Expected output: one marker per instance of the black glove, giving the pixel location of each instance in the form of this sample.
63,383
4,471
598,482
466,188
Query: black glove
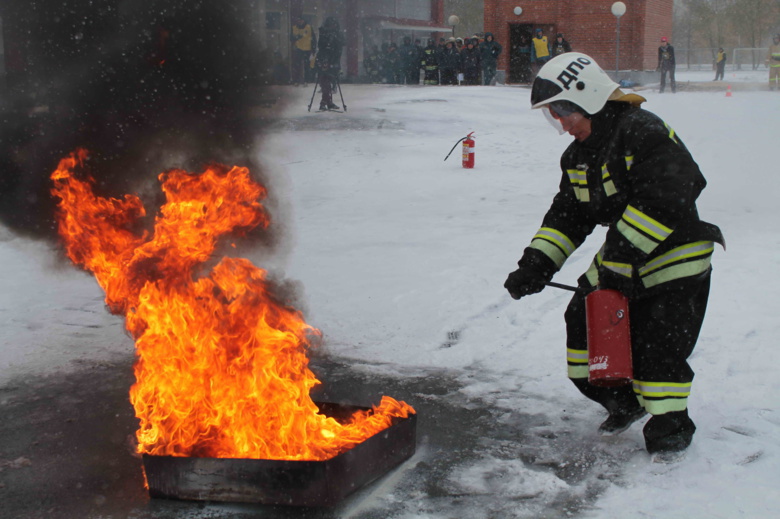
524,282
535,270
612,280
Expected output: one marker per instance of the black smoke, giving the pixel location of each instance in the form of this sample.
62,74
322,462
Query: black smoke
144,85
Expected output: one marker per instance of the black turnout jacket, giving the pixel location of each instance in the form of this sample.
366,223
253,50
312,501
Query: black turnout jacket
634,175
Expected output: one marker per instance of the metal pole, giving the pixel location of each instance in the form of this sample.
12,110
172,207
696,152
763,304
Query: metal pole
290,44
617,52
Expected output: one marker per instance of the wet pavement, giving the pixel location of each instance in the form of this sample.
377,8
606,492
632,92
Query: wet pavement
66,452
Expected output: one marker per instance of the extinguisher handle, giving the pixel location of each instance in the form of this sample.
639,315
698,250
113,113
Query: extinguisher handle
580,290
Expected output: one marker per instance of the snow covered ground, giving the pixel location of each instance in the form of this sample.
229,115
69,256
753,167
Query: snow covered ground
401,256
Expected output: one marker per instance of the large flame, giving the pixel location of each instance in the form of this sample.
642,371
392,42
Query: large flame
222,369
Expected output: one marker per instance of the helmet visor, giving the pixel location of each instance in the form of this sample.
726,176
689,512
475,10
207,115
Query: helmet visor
563,108
554,121
542,90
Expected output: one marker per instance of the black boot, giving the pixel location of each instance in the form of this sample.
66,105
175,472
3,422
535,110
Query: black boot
669,432
620,402
620,420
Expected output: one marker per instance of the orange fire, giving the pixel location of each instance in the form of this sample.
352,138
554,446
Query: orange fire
222,369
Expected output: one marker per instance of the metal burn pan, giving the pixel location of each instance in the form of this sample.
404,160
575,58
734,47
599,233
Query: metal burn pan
284,482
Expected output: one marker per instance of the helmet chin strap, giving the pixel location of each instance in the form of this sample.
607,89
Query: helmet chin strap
555,123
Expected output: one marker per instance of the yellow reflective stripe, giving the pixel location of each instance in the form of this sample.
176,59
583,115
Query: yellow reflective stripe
637,239
646,224
662,397
624,269
554,244
669,405
662,389
671,133
690,250
577,177
579,181
683,270
558,238
551,251
578,371
576,356
606,181
629,162
592,274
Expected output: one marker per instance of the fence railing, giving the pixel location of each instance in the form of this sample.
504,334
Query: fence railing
742,58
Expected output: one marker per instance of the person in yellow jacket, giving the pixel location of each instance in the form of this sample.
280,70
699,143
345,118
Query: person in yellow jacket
773,61
304,44
720,64
540,49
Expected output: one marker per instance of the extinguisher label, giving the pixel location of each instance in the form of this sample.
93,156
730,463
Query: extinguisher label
598,363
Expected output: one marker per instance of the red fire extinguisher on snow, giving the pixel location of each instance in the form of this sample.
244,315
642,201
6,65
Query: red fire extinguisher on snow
468,150
609,337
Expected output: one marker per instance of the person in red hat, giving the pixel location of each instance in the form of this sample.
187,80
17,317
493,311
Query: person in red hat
666,64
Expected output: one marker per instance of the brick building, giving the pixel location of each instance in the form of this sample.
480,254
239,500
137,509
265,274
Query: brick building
588,25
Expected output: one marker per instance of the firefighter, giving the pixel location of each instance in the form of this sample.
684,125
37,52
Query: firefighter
629,171
430,62
328,62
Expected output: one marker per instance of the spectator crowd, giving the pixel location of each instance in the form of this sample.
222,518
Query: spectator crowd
452,61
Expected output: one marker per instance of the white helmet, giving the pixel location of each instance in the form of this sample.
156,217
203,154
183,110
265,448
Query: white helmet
573,77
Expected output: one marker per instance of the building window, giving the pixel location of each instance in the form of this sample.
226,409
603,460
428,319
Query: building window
413,9
409,9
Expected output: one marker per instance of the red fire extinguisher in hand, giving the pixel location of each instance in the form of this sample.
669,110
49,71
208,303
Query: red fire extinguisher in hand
468,150
609,336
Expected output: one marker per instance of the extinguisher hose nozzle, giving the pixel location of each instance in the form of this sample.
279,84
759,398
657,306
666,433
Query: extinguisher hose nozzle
456,144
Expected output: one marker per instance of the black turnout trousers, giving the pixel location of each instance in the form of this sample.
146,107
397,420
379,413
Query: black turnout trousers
664,329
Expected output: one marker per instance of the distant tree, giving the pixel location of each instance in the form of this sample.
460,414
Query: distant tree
725,23
747,23
754,20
